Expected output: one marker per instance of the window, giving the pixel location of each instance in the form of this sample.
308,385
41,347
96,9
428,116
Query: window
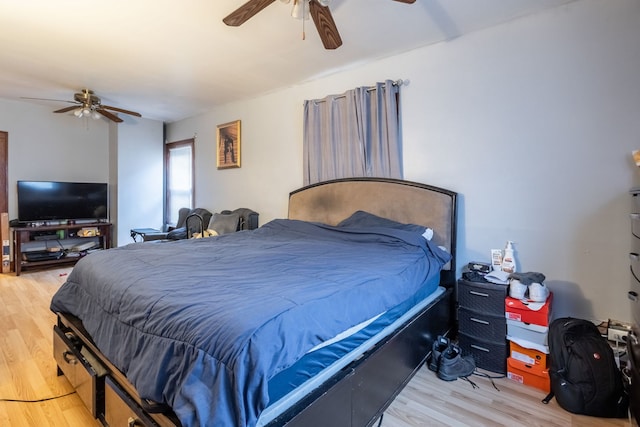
179,178
353,134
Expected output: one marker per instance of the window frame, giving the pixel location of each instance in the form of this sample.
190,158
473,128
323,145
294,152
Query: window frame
167,193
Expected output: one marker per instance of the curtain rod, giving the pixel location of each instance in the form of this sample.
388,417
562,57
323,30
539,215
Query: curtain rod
398,82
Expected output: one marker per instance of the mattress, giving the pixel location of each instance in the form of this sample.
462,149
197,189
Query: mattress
203,325
315,367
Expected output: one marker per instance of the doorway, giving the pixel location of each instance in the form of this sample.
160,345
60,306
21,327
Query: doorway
5,236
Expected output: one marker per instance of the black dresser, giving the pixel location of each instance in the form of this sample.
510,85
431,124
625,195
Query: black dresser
482,326
633,339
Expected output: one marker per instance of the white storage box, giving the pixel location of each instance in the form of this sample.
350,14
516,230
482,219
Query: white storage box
519,331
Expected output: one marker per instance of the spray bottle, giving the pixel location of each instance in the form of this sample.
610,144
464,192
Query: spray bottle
509,259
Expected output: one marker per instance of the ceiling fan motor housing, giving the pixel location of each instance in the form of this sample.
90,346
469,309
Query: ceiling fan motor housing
87,98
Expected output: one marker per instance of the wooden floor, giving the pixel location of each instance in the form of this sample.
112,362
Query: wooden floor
28,372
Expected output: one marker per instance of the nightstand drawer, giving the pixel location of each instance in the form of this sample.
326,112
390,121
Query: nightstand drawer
488,355
482,297
484,326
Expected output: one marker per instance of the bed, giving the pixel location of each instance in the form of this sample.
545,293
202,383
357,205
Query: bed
319,319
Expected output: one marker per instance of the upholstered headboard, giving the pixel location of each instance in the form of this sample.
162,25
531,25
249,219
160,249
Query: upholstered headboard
404,201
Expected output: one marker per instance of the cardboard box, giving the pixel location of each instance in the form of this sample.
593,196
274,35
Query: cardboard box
528,312
535,334
530,375
6,242
530,356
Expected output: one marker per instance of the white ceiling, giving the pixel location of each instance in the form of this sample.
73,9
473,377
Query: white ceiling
171,59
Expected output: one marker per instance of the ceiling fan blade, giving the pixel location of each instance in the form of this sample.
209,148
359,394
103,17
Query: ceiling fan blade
325,25
120,110
245,12
406,1
109,115
49,99
65,109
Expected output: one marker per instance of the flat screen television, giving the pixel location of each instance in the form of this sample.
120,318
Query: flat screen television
59,201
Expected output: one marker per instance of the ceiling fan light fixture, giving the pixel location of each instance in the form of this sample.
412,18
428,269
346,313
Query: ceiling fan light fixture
86,111
300,9
86,104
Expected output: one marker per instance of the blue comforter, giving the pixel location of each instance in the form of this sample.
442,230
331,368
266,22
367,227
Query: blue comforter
203,324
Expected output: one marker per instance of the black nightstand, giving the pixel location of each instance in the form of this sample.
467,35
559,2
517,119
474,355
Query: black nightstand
482,326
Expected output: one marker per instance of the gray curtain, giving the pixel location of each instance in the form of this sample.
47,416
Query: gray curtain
354,134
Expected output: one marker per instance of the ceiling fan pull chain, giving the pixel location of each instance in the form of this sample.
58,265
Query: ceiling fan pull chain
317,9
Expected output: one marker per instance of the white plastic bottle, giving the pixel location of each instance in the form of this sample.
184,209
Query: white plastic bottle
509,259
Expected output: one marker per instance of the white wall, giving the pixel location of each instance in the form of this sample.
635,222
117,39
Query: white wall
137,176
271,155
52,147
532,122
61,147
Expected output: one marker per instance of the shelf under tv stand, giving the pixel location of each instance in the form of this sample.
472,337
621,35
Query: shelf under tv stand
40,239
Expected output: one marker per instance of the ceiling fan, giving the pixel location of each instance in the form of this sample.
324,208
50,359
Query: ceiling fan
88,104
319,10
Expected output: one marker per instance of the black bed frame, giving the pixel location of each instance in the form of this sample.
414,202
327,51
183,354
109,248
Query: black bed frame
355,396
359,393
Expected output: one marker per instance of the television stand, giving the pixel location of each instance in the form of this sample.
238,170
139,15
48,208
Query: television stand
62,241
43,255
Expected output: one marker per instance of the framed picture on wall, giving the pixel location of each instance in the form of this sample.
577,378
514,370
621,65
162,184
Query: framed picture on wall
228,137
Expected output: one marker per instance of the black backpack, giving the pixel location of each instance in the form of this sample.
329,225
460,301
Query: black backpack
584,376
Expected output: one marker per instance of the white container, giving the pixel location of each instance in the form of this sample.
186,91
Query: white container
535,334
509,260
496,259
